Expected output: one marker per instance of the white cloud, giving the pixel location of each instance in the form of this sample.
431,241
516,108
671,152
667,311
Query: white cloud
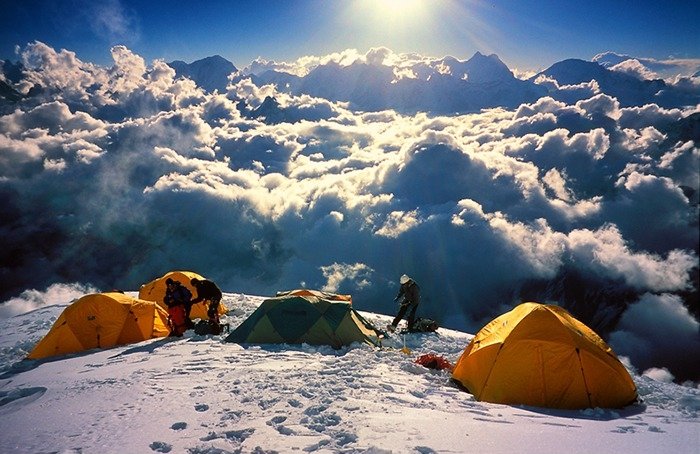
682,165
653,211
633,67
605,252
398,222
128,70
648,115
537,244
658,329
659,374
16,153
337,274
557,183
30,300
668,68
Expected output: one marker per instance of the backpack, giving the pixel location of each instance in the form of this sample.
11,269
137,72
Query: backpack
205,327
424,325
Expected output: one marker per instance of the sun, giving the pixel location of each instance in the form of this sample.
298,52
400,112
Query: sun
397,7
399,25
394,10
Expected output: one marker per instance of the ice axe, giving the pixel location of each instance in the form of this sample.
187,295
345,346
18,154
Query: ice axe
405,349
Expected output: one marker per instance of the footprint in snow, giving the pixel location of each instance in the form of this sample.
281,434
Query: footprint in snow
320,422
315,447
624,430
160,446
315,410
295,403
277,420
14,399
276,423
344,438
238,436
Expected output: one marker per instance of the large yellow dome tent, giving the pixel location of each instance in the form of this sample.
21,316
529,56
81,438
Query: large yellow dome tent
155,291
540,355
102,320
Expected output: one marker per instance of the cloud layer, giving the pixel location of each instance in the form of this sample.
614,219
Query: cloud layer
113,176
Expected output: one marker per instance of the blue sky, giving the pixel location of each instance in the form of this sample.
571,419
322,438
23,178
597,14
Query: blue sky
525,34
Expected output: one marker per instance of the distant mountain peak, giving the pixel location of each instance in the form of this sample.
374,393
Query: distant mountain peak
210,73
214,58
486,68
478,55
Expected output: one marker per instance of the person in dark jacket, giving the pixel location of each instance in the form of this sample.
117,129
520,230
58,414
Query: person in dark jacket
408,298
177,299
208,291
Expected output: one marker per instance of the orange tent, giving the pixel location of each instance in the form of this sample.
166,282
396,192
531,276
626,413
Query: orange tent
102,320
540,355
155,291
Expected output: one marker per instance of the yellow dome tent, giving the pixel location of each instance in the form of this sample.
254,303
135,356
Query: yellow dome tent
102,320
155,291
540,355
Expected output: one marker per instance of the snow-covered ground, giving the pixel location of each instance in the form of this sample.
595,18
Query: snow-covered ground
197,394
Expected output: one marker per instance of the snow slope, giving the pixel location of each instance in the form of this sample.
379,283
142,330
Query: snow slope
197,394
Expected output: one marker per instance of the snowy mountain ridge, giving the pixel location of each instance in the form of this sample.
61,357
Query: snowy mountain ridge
446,85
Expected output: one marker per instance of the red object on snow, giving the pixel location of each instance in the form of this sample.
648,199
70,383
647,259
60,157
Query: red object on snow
432,361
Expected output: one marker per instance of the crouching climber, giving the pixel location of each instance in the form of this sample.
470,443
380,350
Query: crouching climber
209,291
177,299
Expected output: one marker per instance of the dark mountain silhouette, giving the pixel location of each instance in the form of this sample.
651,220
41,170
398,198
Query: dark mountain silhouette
13,71
11,74
7,93
210,73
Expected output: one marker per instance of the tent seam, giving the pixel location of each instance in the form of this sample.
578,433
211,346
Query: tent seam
583,376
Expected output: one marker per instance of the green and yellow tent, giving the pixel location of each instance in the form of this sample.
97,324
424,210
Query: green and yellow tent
305,318
155,291
102,320
540,355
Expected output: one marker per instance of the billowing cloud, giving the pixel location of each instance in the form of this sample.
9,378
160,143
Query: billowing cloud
336,273
605,252
635,68
114,176
30,300
649,67
659,374
658,329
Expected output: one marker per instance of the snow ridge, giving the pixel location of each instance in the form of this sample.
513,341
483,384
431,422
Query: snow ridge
198,394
